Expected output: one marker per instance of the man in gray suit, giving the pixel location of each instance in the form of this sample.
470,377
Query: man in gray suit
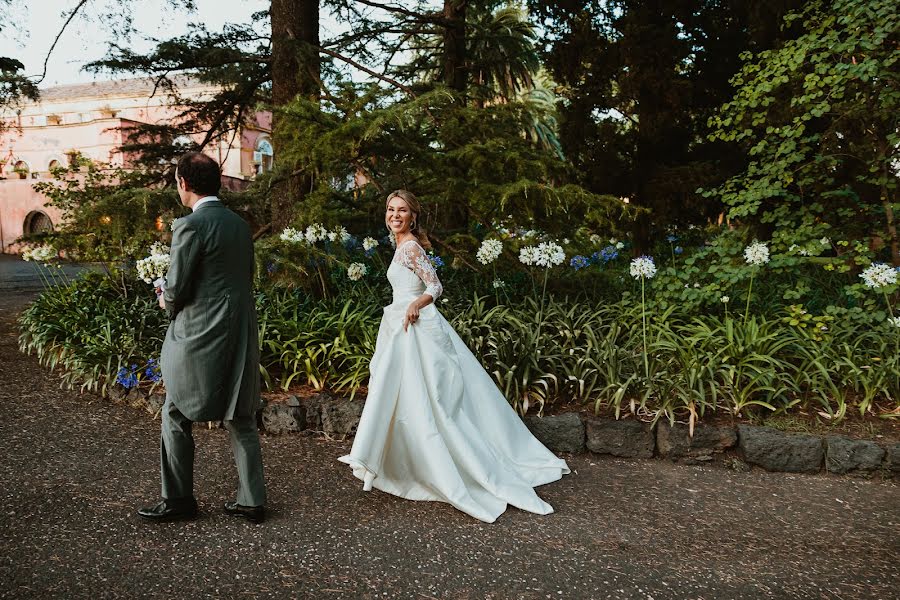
210,357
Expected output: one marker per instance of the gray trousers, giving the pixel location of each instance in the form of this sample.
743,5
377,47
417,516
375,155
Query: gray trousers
176,453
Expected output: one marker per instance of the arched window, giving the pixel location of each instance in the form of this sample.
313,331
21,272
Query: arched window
37,222
263,156
53,165
21,167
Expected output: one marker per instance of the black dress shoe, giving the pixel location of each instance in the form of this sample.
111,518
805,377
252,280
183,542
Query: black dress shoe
182,509
254,514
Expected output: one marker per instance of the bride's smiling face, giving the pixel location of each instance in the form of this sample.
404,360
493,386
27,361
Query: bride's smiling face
398,215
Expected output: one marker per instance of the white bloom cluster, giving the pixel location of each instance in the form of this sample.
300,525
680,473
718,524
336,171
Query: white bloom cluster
356,271
756,254
154,266
369,243
316,233
725,299
528,255
489,251
614,242
545,254
292,235
595,239
895,321
499,284
879,275
338,234
642,267
39,254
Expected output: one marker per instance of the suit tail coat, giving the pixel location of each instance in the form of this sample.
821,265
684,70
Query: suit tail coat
210,357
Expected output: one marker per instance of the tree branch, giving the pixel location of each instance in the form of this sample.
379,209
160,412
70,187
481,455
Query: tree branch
75,10
435,18
366,70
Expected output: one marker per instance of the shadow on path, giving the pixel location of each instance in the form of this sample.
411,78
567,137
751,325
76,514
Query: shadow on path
75,467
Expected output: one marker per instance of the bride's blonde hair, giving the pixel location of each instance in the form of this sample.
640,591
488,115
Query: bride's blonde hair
415,227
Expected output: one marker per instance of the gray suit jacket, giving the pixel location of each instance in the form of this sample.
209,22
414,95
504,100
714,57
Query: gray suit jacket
210,357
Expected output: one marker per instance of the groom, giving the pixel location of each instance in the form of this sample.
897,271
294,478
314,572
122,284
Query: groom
210,357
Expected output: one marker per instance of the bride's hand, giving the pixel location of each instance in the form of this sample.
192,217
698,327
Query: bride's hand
412,315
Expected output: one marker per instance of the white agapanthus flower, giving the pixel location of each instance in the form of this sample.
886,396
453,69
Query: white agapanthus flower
498,284
339,234
369,243
549,254
825,241
642,267
620,245
595,239
725,299
528,255
489,251
879,275
756,254
316,233
292,235
39,254
895,321
356,271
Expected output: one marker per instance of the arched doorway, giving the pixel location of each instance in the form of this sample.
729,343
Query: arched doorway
37,222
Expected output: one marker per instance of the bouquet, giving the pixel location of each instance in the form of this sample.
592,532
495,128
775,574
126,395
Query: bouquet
153,269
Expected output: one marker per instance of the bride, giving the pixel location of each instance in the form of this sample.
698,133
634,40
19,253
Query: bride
434,426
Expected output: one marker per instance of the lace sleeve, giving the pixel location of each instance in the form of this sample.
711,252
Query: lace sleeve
413,257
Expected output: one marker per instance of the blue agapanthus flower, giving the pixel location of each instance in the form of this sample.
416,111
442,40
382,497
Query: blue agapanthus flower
127,378
271,267
579,262
678,250
609,253
152,371
671,238
436,261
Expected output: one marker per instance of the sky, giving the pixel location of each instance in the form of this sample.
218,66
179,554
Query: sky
32,26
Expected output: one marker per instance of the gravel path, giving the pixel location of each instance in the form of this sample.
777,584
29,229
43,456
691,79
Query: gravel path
74,468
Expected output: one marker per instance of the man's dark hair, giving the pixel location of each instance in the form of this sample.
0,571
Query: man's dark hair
201,173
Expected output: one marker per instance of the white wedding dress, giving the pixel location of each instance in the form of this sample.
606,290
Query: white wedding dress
434,426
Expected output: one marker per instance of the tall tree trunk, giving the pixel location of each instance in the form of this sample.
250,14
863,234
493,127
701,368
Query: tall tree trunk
295,71
455,72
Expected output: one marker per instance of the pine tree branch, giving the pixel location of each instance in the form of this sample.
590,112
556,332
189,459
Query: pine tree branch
367,70
435,18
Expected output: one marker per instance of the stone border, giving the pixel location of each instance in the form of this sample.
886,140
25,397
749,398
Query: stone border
740,445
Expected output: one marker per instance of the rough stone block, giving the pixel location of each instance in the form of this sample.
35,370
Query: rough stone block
629,439
844,455
341,417
560,433
675,441
774,450
155,402
281,418
893,458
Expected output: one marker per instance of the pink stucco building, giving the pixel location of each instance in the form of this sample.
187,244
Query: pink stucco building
89,119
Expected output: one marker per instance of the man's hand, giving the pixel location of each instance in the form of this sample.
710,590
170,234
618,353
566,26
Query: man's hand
161,300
